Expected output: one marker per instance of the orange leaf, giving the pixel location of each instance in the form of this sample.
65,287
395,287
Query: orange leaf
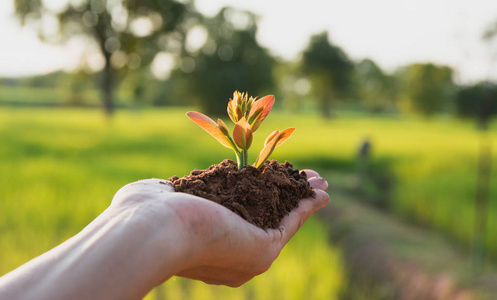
274,139
222,126
271,137
253,117
230,111
266,103
250,102
210,126
235,106
266,151
242,134
238,113
284,135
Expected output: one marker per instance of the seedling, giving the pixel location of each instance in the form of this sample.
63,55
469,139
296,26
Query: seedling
247,114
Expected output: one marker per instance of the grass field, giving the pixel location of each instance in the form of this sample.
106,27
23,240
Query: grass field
60,168
33,96
434,162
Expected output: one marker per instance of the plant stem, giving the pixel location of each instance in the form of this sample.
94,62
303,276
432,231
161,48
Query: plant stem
242,159
239,156
238,161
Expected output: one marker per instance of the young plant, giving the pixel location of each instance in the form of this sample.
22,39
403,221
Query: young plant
247,114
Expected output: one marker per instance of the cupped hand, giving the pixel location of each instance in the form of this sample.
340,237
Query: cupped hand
220,246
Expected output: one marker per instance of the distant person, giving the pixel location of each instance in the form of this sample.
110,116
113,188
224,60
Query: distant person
150,233
364,153
365,148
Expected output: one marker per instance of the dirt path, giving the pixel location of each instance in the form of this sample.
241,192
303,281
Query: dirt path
389,259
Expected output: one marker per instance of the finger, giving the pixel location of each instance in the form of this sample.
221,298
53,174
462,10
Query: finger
218,275
291,223
311,173
318,183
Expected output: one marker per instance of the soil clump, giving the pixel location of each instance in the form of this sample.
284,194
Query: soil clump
260,196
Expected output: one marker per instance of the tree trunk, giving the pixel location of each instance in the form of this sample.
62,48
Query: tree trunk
326,106
325,90
481,203
107,87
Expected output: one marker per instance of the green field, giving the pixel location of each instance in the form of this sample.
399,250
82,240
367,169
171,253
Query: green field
32,96
59,168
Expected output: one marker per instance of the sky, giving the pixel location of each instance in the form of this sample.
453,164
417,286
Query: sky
393,33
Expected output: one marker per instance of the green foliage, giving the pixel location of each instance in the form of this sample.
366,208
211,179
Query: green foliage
38,90
230,59
376,90
109,24
490,32
478,101
37,81
111,28
428,87
76,89
60,168
329,68
434,165
322,55
21,96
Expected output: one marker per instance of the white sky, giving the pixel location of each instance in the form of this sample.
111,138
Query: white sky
391,32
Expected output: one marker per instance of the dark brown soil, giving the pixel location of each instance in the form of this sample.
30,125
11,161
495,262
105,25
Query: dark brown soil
262,197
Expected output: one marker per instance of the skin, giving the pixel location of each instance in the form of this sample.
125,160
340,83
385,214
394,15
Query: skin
150,233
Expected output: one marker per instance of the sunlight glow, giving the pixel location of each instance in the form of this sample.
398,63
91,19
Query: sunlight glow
162,65
390,32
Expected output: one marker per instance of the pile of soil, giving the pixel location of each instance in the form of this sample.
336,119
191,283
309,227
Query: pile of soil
260,196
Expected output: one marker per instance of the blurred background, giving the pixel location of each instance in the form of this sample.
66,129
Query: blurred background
394,103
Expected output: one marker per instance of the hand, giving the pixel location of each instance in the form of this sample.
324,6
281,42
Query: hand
239,250
227,249
150,233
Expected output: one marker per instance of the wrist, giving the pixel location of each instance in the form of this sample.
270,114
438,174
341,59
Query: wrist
159,241
181,228
172,223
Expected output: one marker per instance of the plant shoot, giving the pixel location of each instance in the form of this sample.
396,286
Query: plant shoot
247,113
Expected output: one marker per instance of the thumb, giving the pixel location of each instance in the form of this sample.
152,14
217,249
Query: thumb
296,218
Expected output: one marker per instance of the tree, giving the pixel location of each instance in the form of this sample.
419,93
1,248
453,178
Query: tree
377,90
490,32
428,87
75,89
127,33
230,59
293,86
329,68
478,101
